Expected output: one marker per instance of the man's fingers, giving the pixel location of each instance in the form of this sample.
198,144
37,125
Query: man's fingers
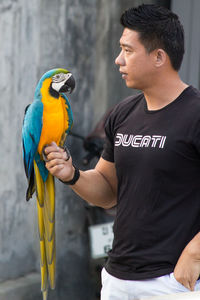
52,148
192,285
56,155
189,284
54,162
55,169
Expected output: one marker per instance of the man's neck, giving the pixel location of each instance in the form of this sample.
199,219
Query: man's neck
164,92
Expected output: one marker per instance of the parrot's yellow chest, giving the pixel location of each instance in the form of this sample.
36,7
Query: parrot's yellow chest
55,119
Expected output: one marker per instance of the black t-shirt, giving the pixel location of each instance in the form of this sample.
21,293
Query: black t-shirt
157,159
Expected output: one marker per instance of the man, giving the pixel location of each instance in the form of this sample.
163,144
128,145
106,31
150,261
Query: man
150,166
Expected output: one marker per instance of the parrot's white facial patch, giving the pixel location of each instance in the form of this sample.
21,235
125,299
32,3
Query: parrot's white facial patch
59,80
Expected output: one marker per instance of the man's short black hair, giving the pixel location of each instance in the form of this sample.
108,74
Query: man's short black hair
158,27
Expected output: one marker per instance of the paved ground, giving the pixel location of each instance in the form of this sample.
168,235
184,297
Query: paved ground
23,288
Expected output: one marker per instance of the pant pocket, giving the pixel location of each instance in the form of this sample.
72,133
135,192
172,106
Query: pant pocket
179,286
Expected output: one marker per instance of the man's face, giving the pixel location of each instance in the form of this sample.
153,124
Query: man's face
135,64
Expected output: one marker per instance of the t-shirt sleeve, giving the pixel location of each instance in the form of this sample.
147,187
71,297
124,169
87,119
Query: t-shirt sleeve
108,151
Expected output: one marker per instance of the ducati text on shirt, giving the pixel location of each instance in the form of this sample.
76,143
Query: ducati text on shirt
140,141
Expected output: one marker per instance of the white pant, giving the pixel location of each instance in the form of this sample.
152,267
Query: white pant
118,289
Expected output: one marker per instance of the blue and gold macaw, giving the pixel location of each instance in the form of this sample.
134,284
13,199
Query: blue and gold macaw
49,118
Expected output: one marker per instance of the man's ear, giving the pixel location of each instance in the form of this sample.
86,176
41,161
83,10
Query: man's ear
160,57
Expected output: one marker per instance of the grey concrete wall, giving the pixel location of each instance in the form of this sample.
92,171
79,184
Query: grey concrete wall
36,36
17,79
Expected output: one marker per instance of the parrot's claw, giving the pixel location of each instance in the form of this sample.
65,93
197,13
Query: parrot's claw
67,152
43,154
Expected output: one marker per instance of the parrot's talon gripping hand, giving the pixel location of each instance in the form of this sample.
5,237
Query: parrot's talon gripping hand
44,156
68,155
41,127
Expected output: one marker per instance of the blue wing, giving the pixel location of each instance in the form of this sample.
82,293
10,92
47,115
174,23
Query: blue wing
70,114
31,131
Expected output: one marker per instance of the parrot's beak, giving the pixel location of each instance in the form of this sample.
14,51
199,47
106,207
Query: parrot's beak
69,85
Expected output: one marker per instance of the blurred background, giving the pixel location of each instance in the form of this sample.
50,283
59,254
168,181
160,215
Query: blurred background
82,36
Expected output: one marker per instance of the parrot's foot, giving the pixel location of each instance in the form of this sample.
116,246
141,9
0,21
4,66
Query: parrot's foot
43,154
67,152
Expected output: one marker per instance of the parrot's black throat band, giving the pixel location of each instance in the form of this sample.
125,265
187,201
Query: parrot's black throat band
53,93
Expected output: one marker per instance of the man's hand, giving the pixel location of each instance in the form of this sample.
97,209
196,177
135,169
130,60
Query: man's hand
58,163
187,269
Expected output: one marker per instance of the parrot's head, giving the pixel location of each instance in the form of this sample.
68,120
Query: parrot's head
57,81
62,81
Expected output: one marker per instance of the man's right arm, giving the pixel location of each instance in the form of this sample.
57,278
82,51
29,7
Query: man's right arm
97,186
